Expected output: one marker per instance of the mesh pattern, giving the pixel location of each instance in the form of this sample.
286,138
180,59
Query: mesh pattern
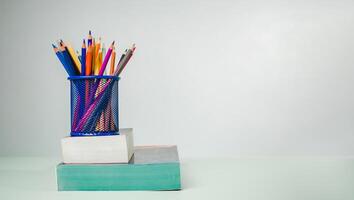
94,106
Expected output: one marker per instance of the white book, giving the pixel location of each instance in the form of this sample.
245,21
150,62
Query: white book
99,149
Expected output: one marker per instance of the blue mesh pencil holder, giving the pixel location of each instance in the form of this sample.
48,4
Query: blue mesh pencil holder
94,105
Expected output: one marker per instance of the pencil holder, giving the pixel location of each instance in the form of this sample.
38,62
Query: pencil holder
94,105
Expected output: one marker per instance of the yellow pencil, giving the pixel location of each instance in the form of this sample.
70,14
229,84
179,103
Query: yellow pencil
97,59
98,46
113,58
99,62
74,57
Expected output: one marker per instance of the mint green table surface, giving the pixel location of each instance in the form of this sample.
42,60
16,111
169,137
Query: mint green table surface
243,178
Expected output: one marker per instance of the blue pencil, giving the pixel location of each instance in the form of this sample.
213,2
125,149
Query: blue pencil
83,58
67,59
62,59
89,40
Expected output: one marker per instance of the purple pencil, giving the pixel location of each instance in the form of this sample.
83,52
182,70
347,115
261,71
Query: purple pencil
106,58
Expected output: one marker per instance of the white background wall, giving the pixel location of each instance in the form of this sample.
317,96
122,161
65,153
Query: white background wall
217,78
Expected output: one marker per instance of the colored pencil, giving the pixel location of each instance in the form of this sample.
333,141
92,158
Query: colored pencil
67,59
89,39
83,58
99,124
94,56
121,65
102,69
106,117
103,49
106,58
61,59
93,109
79,56
98,58
121,58
74,57
98,46
98,62
113,58
88,61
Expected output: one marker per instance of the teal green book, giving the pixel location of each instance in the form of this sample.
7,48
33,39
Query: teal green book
150,168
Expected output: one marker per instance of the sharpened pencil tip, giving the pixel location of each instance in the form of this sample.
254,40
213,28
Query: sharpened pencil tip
89,32
54,46
113,42
83,41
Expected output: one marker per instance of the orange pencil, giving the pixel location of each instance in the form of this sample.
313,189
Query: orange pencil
93,63
89,61
113,58
88,73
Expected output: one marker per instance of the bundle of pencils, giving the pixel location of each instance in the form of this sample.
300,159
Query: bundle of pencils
92,111
90,61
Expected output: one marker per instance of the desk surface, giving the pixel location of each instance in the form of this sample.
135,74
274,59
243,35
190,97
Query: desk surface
247,178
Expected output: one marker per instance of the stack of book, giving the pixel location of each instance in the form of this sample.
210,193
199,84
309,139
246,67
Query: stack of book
113,163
